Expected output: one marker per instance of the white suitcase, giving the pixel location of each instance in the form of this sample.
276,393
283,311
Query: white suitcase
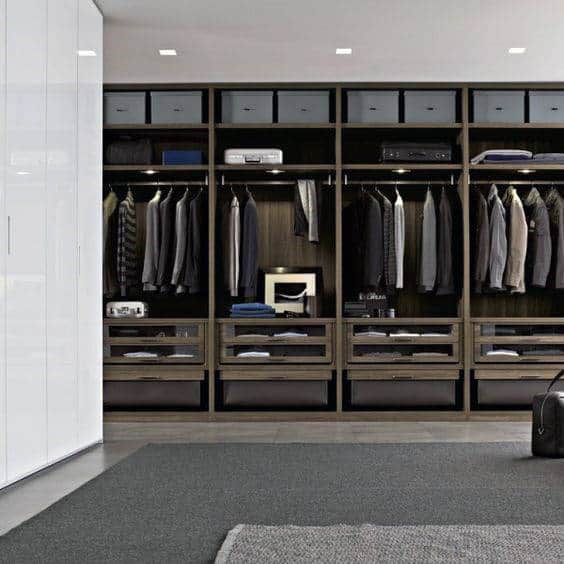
253,156
135,310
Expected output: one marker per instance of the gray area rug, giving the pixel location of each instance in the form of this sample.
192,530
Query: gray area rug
176,503
366,544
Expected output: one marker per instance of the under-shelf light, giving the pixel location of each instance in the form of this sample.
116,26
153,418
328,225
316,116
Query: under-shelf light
401,170
275,171
150,171
526,170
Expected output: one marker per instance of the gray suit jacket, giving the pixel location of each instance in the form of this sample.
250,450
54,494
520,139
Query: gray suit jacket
498,239
482,242
555,205
428,254
152,244
514,276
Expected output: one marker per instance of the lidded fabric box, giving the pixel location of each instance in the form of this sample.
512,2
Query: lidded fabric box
124,108
182,157
247,106
373,106
546,106
176,107
430,106
499,106
303,106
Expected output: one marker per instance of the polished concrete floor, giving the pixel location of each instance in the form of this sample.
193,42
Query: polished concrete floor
25,499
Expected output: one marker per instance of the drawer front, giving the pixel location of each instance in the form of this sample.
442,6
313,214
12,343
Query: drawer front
430,106
373,106
275,394
546,106
499,106
152,373
124,108
246,107
139,394
176,107
403,393
303,107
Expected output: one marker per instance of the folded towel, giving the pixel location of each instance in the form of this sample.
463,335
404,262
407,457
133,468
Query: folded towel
549,158
503,152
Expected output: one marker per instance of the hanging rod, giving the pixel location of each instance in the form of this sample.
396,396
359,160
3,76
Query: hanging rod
256,182
175,183
520,182
373,182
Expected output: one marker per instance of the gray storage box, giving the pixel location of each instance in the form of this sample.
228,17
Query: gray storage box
246,106
512,392
295,393
411,393
176,107
303,106
499,106
430,106
373,106
546,106
136,393
124,108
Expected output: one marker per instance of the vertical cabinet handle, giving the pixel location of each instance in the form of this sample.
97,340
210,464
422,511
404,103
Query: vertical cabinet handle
9,235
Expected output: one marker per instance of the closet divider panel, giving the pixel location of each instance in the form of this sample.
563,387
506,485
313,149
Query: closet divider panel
3,244
62,229
26,387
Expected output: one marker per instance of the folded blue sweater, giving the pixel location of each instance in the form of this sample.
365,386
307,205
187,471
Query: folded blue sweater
251,307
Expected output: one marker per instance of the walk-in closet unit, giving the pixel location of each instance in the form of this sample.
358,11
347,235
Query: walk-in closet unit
50,232
418,332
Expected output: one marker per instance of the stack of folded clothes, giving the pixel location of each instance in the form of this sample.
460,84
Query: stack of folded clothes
549,158
252,310
502,155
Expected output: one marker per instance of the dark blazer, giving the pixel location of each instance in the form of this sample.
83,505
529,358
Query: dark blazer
195,245
539,246
164,272
249,249
555,205
482,242
445,273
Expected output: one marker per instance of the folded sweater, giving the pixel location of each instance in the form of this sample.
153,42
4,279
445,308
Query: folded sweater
518,154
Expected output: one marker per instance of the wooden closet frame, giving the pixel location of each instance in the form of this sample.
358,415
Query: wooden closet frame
338,169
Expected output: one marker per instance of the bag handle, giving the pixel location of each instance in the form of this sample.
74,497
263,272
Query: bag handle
554,380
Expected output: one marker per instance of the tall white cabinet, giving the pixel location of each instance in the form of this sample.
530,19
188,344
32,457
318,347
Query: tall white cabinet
50,238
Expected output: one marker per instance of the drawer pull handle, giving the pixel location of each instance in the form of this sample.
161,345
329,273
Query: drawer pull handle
373,109
402,377
150,378
121,109
499,109
554,109
248,109
304,110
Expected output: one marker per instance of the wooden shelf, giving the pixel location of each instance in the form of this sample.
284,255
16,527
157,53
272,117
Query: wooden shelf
401,125
156,126
281,167
157,168
275,126
516,125
408,166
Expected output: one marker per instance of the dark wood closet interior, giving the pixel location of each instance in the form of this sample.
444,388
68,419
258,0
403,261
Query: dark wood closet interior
432,360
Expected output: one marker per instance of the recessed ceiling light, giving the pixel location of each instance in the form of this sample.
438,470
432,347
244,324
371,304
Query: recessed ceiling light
516,50
23,172
343,51
401,170
526,170
168,52
86,53
150,171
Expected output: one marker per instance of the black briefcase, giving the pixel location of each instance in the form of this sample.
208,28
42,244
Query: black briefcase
397,151
548,422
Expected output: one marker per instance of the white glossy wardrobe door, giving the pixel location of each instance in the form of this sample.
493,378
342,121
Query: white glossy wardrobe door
61,241
90,224
25,206
3,248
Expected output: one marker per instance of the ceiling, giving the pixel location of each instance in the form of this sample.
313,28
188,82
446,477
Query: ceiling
295,40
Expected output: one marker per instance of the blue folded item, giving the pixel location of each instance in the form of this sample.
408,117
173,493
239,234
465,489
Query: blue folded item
182,157
253,316
251,307
501,157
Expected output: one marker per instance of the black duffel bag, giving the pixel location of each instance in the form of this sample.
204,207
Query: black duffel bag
129,152
548,422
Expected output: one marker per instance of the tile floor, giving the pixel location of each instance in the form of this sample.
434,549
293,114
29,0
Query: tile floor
21,501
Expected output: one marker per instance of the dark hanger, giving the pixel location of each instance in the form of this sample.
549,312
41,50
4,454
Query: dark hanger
232,191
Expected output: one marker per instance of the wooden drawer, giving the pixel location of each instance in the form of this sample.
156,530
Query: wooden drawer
151,373
401,341
518,341
174,341
402,389
512,387
277,389
277,341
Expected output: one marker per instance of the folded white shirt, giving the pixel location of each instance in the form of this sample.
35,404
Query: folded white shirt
370,334
430,354
251,354
506,352
180,355
290,334
404,334
502,152
141,354
431,334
